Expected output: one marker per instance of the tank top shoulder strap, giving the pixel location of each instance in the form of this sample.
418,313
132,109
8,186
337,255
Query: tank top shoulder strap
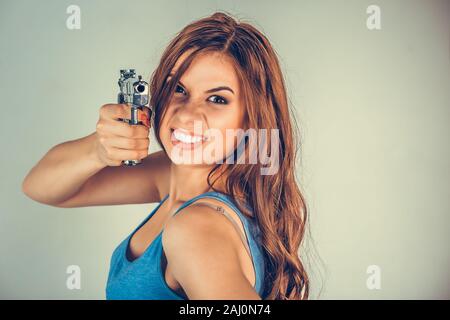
228,216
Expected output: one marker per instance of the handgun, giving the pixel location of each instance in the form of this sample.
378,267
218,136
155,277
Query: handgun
134,92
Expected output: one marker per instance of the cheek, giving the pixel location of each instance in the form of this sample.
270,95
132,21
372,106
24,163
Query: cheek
230,117
231,128
164,132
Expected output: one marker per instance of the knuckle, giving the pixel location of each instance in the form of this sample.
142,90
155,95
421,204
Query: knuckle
135,154
139,144
104,108
142,132
135,131
128,131
132,143
99,126
108,152
121,109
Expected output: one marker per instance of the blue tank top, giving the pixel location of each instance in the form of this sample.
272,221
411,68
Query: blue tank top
143,278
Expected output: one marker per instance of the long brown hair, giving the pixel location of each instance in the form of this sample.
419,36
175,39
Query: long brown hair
277,202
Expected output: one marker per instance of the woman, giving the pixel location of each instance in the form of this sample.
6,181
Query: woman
222,229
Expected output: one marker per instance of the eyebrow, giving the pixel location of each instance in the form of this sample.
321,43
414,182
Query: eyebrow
210,90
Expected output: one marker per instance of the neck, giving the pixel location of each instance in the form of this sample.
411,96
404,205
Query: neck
186,182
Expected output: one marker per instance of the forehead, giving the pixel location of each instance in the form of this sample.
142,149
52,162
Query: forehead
209,68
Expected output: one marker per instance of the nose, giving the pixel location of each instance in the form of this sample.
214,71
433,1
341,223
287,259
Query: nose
189,112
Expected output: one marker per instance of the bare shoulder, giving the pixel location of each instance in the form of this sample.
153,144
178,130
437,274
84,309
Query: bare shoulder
203,226
201,248
198,223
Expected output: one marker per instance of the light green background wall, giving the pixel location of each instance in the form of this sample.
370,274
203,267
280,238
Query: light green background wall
373,107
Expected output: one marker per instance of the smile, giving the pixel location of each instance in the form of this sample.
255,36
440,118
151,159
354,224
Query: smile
185,140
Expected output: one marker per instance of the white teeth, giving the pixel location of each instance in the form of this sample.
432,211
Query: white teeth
185,138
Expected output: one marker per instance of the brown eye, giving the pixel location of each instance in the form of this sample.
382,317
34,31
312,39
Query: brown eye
218,100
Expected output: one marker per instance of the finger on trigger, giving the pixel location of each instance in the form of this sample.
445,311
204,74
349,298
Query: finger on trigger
144,118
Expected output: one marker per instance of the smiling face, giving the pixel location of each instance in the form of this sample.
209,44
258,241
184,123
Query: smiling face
206,103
